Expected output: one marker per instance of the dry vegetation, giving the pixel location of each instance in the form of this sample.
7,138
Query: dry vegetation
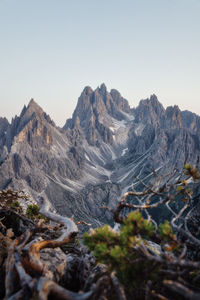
139,260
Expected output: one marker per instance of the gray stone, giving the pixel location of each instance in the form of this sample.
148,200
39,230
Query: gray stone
96,156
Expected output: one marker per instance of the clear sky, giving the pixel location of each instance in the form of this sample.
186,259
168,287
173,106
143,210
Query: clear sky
51,49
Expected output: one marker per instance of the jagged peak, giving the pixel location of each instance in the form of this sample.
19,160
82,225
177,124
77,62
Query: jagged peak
33,105
153,102
115,92
174,116
154,98
103,88
101,101
4,124
173,110
31,108
87,90
30,112
4,120
32,102
149,109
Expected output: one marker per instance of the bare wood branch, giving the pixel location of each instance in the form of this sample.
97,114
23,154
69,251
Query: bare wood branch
181,290
10,272
175,262
158,296
70,226
83,222
47,287
69,231
118,287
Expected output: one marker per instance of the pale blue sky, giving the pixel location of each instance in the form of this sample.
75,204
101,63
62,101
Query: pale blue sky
51,49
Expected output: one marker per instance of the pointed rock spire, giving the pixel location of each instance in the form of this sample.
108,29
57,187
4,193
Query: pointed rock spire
87,90
173,117
149,110
34,106
103,89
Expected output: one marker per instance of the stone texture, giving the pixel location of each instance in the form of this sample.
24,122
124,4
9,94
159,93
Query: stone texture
55,262
96,156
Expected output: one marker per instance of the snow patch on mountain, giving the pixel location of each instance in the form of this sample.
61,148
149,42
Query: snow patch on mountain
139,129
124,151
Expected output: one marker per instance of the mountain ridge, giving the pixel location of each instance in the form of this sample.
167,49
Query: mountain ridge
99,152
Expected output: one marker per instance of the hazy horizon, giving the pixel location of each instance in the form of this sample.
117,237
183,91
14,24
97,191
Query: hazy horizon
50,50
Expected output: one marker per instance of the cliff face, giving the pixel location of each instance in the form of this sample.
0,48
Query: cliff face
94,113
36,153
97,155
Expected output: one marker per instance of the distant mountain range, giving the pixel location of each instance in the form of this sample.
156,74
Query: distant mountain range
96,156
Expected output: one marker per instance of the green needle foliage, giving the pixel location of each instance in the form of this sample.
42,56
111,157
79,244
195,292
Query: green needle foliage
120,251
149,259
16,205
33,212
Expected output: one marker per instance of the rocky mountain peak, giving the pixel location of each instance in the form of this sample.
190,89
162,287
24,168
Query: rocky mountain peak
95,110
33,110
29,110
103,89
150,110
100,101
4,129
32,125
120,101
156,105
98,154
190,120
173,110
87,90
3,124
153,104
173,117
33,104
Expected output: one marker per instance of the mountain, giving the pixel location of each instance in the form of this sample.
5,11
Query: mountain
96,156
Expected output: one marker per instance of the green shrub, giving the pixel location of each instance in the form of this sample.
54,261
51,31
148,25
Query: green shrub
33,212
119,251
16,205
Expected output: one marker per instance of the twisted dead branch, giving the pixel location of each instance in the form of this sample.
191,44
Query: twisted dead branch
27,276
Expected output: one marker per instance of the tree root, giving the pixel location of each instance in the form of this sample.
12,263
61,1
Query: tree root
27,276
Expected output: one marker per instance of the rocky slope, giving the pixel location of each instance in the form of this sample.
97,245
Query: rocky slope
96,156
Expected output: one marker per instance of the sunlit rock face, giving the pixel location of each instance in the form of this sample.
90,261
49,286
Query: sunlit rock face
97,155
